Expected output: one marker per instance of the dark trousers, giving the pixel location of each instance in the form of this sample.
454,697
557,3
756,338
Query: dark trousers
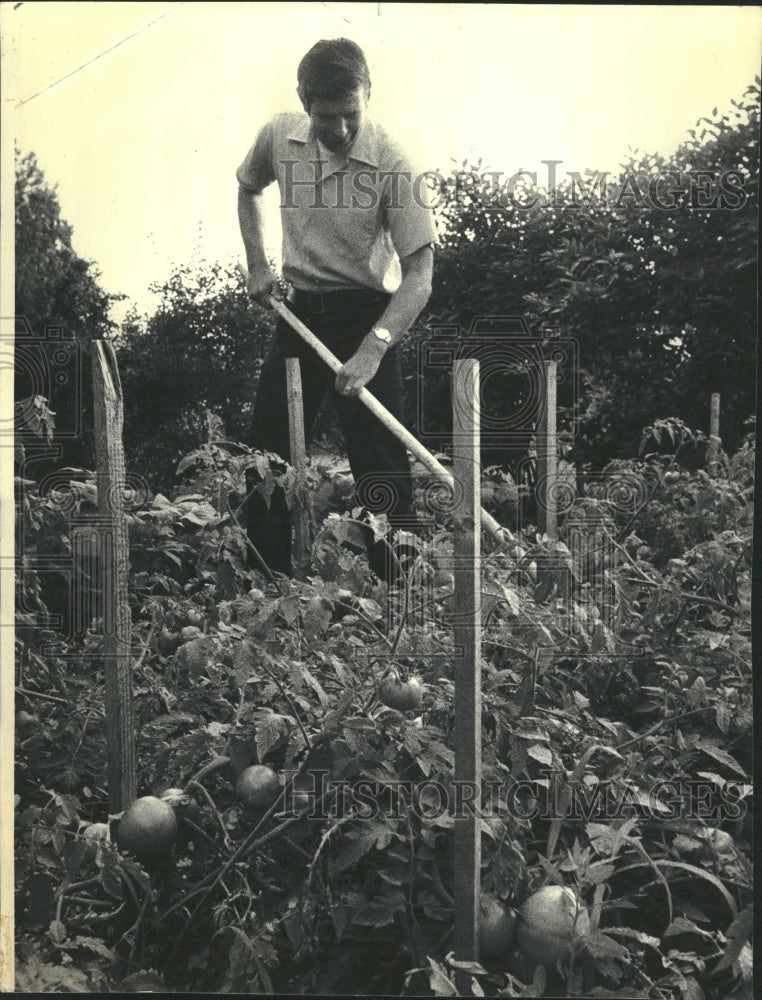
378,461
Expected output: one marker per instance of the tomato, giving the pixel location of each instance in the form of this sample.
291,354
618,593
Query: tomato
549,921
148,829
257,786
402,695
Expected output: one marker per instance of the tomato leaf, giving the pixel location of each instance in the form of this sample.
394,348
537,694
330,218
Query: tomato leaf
600,945
380,912
739,932
439,981
720,755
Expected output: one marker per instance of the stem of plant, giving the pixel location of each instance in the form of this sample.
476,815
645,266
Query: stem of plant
649,582
323,841
405,607
662,722
676,623
77,886
136,665
287,698
215,810
213,765
104,918
251,843
370,624
236,718
98,904
38,694
136,926
265,568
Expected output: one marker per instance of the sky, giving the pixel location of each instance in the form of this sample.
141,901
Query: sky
140,113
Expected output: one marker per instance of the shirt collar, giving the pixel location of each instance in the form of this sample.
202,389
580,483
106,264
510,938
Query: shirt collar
364,148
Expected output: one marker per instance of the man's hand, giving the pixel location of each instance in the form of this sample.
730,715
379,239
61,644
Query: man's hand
261,285
359,370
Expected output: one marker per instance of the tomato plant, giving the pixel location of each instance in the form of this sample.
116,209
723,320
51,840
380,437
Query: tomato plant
616,681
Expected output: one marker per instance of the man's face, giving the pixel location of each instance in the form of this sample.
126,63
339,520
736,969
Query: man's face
335,121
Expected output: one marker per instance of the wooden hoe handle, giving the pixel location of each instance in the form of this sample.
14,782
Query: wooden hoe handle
402,434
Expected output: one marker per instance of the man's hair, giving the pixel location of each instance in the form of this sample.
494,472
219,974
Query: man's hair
331,69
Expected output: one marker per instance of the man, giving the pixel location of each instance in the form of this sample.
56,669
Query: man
357,258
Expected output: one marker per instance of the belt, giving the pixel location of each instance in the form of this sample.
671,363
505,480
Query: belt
317,303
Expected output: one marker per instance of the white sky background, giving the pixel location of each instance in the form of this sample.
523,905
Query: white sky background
143,138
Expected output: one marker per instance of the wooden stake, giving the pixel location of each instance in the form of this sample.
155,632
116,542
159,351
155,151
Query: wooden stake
714,433
300,514
113,577
547,458
541,475
467,638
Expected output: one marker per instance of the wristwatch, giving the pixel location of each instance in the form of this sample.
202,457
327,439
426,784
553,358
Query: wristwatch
383,335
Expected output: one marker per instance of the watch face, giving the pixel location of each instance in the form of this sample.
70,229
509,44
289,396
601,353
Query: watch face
383,335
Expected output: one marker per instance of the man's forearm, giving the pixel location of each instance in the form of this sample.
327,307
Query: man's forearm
250,220
412,295
399,315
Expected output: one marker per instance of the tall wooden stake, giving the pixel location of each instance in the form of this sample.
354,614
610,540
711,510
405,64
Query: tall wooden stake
547,459
114,570
714,433
467,638
300,514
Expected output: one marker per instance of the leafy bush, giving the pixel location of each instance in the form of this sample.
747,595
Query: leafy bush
200,351
662,302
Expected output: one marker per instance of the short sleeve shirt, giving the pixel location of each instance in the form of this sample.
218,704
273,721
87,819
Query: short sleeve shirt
347,219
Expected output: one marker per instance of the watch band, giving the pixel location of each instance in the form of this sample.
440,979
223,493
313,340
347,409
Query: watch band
382,335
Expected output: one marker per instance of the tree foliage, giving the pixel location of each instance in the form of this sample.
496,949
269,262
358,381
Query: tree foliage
658,291
200,351
58,300
54,285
